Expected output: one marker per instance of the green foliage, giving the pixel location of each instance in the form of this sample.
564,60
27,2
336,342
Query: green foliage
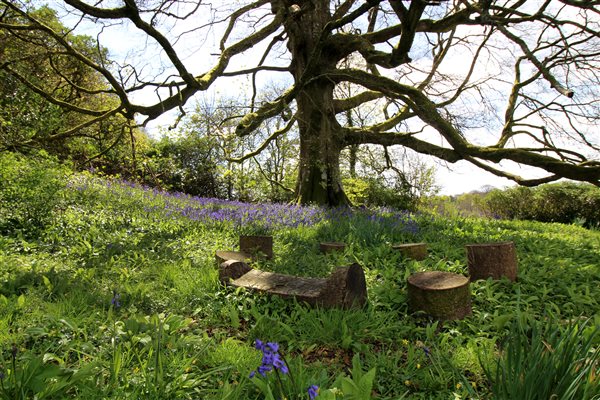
359,385
32,189
30,122
173,332
560,202
371,192
202,161
35,377
547,361
190,165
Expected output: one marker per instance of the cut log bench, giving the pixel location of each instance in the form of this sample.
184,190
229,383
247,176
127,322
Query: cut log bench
442,295
415,251
492,260
344,288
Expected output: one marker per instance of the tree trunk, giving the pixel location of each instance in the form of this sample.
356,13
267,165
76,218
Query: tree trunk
319,179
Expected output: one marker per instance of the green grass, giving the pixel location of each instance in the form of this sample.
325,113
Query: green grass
179,334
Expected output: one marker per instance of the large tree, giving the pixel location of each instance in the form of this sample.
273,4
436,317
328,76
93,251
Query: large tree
488,81
48,98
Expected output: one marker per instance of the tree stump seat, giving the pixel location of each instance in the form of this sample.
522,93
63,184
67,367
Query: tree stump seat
344,288
221,256
252,247
415,251
442,295
331,247
257,245
492,260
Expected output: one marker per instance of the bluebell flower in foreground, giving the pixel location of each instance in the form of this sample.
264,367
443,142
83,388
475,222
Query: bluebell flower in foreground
271,359
426,351
313,391
115,300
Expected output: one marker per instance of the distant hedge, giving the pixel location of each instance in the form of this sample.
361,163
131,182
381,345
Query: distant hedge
564,202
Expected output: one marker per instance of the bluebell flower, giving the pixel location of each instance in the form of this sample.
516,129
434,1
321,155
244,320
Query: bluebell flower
279,364
115,300
271,359
263,369
274,347
313,391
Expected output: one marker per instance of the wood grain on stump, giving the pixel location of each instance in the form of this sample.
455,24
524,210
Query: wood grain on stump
222,256
330,247
443,295
344,288
256,245
492,260
415,251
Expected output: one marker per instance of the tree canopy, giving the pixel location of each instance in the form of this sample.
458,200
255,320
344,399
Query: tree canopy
492,82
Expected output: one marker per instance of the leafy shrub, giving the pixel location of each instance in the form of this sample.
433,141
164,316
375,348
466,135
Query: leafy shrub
565,202
370,192
30,192
513,203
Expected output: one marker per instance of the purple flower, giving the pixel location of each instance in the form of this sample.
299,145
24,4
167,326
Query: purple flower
115,300
313,391
274,347
279,364
263,369
271,359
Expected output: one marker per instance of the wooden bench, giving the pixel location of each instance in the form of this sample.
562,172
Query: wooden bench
344,288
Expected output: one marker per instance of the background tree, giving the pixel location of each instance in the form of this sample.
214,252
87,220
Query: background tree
43,92
487,81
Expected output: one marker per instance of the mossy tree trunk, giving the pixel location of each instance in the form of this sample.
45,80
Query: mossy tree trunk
321,136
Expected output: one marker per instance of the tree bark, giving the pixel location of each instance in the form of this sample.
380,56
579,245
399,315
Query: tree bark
321,136
492,260
442,295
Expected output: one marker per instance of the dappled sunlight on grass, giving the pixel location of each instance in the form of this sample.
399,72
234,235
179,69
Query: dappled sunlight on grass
178,333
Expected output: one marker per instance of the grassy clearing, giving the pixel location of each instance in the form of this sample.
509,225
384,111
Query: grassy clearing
117,297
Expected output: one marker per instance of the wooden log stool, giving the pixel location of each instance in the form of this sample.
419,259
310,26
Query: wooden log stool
442,295
331,247
344,288
257,245
492,260
221,256
415,251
